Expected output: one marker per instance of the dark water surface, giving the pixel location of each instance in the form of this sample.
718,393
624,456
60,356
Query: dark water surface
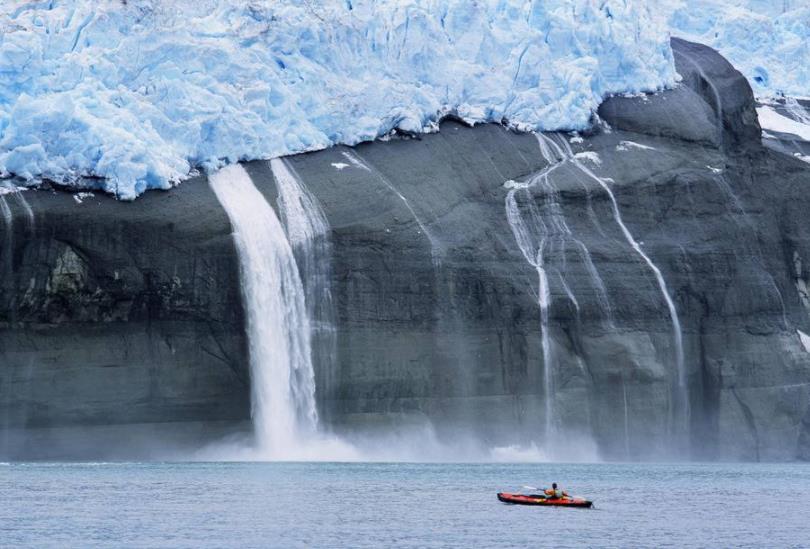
402,505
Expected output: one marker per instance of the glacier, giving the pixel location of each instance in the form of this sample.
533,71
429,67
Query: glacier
767,40
129,95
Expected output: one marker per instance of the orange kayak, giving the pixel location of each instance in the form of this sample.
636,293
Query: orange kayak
521,499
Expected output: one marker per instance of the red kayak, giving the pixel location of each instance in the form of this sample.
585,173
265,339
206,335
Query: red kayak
521,499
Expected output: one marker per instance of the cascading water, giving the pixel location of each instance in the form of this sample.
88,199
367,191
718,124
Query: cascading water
8,231
6,211
681,397
308,233
626,419
536,233
718,104
356,161
9,190
282,380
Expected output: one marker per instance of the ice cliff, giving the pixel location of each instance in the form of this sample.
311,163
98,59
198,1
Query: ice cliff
767,40
139,93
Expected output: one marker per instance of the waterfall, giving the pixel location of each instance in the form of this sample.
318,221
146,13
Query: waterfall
534,255
537,233
6,211
544,299
9,189
681,388
534,231
718,104
307,231
626,419
282,380
435,250
9,233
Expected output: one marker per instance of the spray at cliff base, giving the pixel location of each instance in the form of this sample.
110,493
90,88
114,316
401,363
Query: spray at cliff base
283,324
283,409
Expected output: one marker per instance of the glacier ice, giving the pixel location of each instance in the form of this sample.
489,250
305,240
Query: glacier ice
136,94
767,40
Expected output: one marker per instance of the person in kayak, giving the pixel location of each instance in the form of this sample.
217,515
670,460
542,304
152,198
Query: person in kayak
555,493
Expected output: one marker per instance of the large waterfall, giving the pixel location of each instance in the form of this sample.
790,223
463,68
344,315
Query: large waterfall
282,379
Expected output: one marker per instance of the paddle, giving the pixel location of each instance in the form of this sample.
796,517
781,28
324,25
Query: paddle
541,493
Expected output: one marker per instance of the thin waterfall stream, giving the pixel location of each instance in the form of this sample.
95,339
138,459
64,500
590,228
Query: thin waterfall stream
681,405
308,233
538,232
544,226
436,251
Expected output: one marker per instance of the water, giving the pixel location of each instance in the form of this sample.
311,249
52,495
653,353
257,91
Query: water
534,231
531,233
282,377
436,251
308,233
403,505
681,389
718,104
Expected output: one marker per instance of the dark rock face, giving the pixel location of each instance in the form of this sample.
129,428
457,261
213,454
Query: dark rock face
115,315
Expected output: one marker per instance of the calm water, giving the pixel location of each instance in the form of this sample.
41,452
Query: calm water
402,505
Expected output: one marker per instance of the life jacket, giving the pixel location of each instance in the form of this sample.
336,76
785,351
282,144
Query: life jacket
549,492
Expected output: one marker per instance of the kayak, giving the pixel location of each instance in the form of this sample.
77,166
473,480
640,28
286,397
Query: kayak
520,499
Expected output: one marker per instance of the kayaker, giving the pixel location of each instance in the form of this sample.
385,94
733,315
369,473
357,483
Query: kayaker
555,492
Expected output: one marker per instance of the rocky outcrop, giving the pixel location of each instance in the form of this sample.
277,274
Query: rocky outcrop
127,318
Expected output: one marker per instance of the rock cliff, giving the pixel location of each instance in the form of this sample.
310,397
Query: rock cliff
122,324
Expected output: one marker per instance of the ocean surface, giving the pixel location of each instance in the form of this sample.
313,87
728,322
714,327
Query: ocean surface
400,505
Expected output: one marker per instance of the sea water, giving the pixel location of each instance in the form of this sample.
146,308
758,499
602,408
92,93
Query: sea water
402,505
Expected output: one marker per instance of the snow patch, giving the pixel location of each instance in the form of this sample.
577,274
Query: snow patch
590,156
627,145
10,189
775,122
79,197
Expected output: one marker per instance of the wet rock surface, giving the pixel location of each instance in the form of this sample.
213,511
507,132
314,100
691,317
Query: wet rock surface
130,315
